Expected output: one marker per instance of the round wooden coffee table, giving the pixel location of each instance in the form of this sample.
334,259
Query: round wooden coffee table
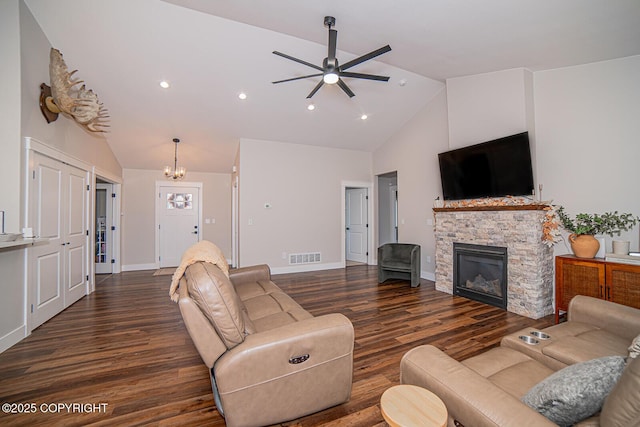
409,405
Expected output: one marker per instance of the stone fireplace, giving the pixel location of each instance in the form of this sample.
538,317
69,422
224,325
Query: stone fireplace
518,229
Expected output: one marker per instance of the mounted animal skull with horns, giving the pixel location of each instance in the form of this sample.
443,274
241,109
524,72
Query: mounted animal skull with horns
81,104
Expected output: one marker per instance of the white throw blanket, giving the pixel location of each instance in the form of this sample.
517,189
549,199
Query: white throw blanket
634,349
202,251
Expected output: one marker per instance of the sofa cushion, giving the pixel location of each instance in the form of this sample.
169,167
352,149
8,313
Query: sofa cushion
577,391
214,294
508,369
621,407
589,345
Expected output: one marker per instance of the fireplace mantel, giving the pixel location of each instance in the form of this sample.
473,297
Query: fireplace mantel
493,208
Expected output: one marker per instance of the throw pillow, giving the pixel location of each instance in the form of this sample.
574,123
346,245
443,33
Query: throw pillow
577,391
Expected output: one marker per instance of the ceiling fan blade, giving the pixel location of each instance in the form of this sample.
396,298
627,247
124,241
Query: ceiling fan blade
300,61
365,57
315,89
333,36
297,78
364,76
345,88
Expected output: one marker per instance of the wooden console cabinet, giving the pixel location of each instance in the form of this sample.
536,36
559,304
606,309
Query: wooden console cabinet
597,278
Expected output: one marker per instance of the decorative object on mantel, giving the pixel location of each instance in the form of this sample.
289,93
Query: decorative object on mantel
81,104
493,202
176,173
584,226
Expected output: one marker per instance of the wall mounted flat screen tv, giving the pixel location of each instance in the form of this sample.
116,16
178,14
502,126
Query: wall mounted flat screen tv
497,168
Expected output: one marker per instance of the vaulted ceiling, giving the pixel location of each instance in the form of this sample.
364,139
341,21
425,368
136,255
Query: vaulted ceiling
212,50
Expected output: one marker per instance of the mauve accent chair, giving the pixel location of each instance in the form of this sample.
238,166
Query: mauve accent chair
399,261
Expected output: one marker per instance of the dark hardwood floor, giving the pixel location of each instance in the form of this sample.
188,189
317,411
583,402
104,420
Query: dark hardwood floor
124,357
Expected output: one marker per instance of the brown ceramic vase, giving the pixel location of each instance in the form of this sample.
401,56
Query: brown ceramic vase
584,245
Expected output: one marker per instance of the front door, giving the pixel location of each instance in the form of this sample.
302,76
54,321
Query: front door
356,224
178,216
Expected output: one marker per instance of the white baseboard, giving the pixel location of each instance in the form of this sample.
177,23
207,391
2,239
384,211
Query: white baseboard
306,267
13,337
428,275
136,267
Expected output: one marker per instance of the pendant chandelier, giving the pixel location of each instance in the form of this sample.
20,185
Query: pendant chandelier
176,172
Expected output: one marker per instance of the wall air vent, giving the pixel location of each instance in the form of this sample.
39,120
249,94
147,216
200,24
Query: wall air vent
306,258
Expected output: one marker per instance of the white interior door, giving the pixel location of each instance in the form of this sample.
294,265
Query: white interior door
76,232
356,224
178,222
58,206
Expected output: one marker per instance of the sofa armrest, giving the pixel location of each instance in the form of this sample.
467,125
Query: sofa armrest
618,319
259,383
264,356
470,398
253,273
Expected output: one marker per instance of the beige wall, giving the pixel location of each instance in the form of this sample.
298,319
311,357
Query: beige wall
588,138
10,114
488,106
138,214
12,303
303,185
413,153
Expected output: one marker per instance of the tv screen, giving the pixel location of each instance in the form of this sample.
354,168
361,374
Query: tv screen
497,168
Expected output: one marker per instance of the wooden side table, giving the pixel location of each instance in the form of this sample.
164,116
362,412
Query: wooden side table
409,405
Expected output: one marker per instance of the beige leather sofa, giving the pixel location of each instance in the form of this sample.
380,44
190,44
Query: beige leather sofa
485,390
270,360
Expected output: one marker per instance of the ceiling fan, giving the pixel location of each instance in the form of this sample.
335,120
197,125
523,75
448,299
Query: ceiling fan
331,71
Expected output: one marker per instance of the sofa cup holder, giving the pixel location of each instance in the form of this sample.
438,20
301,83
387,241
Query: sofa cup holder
529,340
540,335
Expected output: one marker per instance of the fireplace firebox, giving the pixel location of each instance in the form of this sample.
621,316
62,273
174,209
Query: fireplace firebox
480,273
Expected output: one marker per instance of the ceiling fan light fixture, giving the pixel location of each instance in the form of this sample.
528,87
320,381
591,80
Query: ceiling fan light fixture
331,71
331,78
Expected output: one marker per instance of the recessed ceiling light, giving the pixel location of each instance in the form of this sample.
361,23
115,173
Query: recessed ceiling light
364,117
242,95
311,107
164,84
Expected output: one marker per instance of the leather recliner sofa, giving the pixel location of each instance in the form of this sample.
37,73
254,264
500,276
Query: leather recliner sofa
486,390
269,359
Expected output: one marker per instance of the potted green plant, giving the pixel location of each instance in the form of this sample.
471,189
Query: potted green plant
584,226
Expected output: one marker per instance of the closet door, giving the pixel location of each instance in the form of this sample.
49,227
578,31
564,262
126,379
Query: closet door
75,217
58,269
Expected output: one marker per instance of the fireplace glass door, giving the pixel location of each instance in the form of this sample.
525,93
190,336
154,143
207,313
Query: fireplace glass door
480,273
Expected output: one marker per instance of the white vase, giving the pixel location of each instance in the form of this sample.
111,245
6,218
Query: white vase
621,247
